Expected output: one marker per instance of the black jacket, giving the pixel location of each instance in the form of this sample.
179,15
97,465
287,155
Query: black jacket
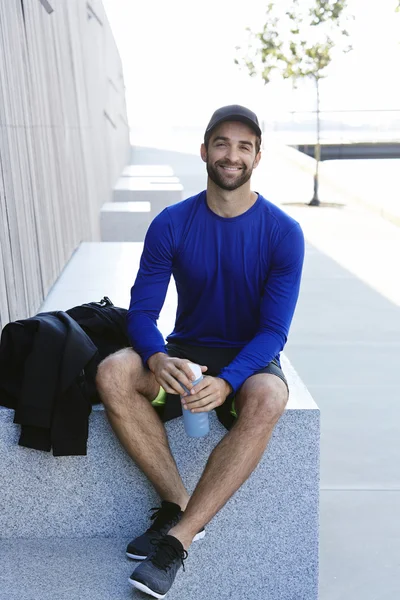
48,365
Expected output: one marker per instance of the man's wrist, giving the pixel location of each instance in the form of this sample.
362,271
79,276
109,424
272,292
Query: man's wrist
153,359
228,386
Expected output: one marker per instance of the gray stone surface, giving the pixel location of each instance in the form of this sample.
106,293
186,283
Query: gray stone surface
97,569
93,495
62,569
133,184
147,171
141,189
124,221
188,167
137,181
274,516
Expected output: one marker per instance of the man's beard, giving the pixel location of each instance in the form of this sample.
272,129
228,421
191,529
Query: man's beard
228,183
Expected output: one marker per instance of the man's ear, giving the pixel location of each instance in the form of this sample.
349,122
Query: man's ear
257,160
203,152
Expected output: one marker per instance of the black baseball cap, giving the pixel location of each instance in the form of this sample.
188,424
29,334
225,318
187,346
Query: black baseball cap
234,112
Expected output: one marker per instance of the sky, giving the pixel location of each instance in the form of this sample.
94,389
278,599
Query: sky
178,61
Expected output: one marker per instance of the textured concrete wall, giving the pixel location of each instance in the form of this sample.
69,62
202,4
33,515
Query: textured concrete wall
64,140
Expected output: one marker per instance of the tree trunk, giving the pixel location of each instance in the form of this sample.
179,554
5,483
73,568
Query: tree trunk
317,153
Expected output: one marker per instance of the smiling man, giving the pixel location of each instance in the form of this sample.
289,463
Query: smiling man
236,259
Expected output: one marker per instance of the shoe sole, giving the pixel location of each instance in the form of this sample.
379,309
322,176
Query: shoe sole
198,536
145,589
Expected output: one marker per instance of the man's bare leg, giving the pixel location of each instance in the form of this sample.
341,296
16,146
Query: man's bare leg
126,389
259,404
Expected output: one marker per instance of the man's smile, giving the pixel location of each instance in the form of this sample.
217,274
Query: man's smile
232,169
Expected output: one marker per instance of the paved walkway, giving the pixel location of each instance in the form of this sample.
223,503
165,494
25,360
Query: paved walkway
345,344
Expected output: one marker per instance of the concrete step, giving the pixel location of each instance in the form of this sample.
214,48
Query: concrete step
139,180
147,171
61,569
144,189
124,221
98,569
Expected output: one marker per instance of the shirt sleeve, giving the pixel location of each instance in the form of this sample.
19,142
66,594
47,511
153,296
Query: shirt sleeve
150,288
278,303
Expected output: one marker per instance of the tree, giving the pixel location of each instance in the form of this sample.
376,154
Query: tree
297,42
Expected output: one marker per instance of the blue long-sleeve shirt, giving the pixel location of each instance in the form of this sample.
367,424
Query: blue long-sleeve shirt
237,280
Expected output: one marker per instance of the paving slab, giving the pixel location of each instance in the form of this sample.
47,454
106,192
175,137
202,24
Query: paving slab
360,545
359,436
348,364
345,344
335,306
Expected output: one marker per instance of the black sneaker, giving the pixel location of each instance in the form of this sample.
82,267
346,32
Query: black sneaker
156,575
165,517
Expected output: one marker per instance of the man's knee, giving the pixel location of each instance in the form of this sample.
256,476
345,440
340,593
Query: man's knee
262,399
119,370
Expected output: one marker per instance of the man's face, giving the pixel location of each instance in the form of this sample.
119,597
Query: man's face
231,155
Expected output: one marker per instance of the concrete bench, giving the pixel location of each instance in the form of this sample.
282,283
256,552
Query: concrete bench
144,189
263,542
147,171
124,221
144,179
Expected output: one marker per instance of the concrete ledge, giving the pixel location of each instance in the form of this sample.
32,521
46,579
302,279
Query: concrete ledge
98,570
271,523
147,171
159,194
79,496
274,516
145,185
124,221
140,180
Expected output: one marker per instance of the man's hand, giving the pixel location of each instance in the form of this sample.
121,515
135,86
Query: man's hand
207,395
170,372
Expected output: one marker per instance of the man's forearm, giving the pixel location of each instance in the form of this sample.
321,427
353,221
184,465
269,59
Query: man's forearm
145,337
260,351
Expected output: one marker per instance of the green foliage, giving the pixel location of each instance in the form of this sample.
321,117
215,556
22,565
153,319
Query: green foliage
296,40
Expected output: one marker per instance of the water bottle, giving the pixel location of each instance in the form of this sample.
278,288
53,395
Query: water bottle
196,424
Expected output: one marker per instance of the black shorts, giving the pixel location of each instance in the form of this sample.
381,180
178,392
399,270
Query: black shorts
215,359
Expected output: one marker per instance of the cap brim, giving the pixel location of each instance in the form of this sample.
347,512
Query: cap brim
240,118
